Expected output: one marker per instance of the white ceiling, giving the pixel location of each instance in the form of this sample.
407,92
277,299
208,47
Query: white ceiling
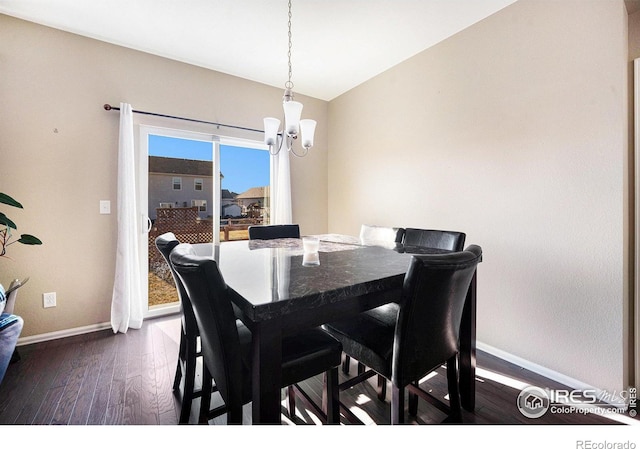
337,44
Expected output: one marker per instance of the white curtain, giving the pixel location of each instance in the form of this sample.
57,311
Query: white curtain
281,189
127,301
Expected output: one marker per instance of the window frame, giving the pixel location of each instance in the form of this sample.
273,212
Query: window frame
203,203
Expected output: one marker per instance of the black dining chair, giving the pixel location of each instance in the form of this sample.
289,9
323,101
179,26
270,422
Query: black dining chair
267,232
390,237
226,345
422,338
188,350
412,239
433,238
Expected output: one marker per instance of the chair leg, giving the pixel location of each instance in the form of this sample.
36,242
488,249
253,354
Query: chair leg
382,388
234,413
205,396
397,404
413,401
330,396
345,364
178,376
291,396
189,379
181,357
454,390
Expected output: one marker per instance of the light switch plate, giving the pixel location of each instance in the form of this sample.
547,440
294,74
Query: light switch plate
49,299
105,207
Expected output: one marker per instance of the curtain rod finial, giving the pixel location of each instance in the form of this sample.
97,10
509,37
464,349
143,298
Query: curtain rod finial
107,107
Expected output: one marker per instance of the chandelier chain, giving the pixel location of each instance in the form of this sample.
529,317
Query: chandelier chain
293,126
289,84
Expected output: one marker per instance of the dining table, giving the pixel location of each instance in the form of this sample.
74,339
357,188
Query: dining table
278,289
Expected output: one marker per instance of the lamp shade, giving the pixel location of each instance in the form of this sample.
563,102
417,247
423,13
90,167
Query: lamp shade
271,126
307,130
292,111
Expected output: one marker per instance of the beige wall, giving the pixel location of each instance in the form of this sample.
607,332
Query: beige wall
58,150
513,131
634,35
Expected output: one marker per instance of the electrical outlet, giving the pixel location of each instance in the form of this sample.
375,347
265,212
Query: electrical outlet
49,299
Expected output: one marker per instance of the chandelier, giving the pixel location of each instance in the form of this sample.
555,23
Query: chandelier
293,126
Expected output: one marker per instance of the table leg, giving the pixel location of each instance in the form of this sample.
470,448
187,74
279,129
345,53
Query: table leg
468,349
267,372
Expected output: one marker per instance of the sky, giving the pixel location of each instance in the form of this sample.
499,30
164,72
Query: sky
242,168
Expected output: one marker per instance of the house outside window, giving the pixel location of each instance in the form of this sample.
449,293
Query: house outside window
166,205
177,183
197,184
200,204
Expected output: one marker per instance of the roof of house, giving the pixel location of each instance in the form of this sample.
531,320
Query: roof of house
228,195
255,192
177,166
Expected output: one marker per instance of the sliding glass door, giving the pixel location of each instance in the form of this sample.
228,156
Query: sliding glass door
178,192
202,187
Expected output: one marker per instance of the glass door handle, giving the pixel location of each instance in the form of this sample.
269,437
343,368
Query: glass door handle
147,224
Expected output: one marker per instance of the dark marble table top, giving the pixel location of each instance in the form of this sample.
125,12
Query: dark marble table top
270,277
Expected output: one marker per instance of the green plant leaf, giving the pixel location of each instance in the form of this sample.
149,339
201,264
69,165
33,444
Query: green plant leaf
6,199
4,220
27,239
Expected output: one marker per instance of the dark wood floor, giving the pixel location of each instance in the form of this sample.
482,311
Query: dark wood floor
102,378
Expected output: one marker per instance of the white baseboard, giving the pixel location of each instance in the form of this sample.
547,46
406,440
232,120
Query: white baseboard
62,334
153,313
548,373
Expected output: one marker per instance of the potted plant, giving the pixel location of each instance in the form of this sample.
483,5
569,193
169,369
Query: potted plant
7,238
10,324
6,225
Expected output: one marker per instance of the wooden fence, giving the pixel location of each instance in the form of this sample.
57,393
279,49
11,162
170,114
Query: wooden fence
237,224
185,223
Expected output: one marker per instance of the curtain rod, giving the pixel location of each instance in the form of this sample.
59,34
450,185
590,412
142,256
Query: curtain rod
108,107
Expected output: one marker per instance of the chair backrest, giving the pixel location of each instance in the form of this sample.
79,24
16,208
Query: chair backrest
165,244
373,233
267,232
220,344
428,327
433,238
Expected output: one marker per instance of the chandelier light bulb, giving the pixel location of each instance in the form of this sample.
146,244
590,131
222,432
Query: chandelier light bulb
307,131
271,126
292,112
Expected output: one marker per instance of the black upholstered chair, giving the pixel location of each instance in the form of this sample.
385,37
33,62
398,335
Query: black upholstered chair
375,235
226,344
412,238
188,351
433,238
423,337
268,232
